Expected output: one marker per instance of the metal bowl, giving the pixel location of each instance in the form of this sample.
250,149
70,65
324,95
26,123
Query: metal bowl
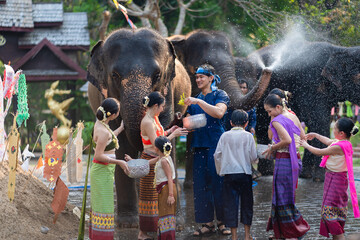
138,168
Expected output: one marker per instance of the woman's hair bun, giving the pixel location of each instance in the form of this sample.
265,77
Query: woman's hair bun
355,130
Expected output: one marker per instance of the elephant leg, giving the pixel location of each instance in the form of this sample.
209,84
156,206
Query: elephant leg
188,183
265,166
307,165
319,123
126,194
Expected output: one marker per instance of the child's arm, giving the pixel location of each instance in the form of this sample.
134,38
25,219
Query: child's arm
331,150
325,140
151,161
167,169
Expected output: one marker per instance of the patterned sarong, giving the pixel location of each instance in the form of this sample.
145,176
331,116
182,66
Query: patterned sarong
102,201
285,219
167,221
334,205
148,200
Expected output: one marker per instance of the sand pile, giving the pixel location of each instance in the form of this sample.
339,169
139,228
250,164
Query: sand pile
31,209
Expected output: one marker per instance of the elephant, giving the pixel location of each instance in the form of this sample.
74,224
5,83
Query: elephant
213,47
128,65
318,74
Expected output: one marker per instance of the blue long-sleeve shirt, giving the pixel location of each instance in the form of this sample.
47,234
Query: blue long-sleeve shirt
252,119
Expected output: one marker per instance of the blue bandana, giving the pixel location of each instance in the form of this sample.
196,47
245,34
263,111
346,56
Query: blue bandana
206,72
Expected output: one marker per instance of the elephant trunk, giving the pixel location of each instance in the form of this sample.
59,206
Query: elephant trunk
132,110
232,88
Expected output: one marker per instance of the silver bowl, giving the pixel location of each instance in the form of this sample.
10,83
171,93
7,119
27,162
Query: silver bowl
138,168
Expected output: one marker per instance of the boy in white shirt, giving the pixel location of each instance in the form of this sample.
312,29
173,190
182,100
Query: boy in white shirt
234,154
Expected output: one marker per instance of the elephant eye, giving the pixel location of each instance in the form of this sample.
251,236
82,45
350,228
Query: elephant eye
115,76
156,77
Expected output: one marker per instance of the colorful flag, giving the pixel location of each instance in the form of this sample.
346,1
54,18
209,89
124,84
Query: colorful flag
12,150
53,158
61,193
40,163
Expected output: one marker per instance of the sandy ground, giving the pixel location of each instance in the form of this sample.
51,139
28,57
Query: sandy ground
31,210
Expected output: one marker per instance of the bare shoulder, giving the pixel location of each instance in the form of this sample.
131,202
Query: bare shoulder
164,161
146,121
100,131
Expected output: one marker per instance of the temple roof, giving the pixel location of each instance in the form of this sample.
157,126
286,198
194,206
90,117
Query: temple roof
73,32
47,12
46,62
16,15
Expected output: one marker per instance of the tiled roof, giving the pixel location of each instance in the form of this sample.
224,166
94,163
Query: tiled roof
73,32
16,14
48,12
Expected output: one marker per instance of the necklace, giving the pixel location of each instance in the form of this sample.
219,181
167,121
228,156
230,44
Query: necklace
114,138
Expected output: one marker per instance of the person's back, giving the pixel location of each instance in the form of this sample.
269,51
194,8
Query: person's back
237,152
233,156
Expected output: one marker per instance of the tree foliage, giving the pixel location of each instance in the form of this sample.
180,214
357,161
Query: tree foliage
257,22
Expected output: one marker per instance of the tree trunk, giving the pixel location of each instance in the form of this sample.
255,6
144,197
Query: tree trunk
181,21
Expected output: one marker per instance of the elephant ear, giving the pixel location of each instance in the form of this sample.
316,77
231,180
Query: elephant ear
96,72
169,72
179,43
340,65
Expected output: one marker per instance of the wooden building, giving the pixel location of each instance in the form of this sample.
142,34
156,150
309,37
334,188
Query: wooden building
43,40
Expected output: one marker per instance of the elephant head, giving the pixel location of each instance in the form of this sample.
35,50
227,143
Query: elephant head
129,65
343,70
214,48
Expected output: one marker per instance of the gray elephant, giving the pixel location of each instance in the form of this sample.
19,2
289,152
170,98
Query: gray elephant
214,48
129,65
319,75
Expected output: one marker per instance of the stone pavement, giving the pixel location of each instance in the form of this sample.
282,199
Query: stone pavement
308,201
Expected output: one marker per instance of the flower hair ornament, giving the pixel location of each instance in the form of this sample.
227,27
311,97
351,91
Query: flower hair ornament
353,130
286,93
104,114
147,100
283,101
167,152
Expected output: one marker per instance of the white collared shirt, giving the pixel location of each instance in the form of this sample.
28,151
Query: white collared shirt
235,152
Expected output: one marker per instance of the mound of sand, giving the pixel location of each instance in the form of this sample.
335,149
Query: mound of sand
31,209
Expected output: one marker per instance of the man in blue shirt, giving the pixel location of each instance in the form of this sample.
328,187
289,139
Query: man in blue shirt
213,103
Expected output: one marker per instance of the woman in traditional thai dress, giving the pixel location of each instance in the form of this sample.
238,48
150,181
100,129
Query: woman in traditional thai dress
151,128
285,96
285,219
338,174
102,171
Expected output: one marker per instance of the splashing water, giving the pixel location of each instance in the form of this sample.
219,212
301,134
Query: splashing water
286,52
289,49
242,46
